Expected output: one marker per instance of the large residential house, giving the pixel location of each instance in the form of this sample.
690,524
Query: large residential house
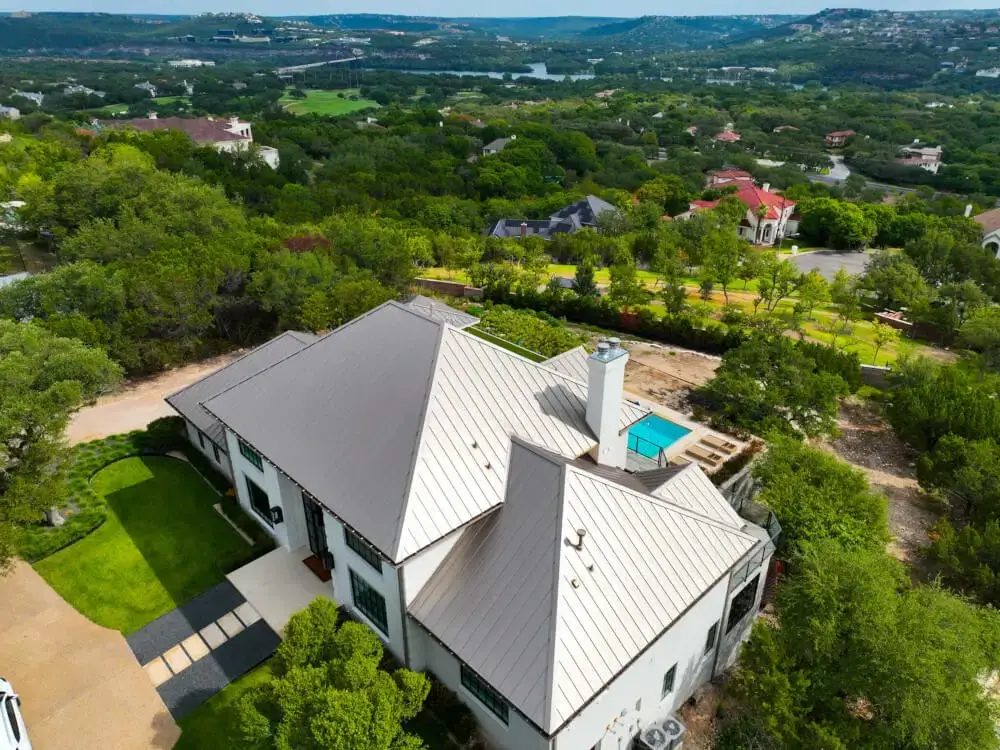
471,507
769,216
497,145
569,220
925,157
990,222
726,177
838,138
10,113
230,135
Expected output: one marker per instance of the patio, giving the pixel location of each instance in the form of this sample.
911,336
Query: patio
279,584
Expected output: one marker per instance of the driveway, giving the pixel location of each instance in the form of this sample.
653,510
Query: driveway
829,262
138,402
79,683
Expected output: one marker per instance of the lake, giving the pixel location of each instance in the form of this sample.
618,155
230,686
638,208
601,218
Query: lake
538,70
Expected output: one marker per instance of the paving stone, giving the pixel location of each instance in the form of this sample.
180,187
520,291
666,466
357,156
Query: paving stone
194,647
176,659
213,636
157,671
247,614
230,624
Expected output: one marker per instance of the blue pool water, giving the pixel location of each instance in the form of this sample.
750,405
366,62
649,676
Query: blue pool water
652,434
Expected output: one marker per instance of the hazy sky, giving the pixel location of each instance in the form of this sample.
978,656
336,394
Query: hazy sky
510,8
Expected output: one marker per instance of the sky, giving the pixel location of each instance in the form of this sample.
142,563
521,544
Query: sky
510,8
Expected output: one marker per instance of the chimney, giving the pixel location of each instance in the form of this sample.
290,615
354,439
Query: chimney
524,229
234,121
766,187
968,210
152,115
605,386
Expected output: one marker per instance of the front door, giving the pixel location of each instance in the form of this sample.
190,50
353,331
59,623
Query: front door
316,531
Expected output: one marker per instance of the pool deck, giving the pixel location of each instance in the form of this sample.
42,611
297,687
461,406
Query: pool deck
690,448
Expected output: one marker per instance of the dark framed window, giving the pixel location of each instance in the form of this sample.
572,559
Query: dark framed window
668,681
259,501
485,694
713,633
12,718
369,601
215,452
251,455
742,603
362,550
201,439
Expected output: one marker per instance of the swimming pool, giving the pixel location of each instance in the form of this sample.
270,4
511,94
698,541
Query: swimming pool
653,434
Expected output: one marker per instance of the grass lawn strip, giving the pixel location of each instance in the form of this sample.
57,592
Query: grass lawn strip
328,103
161,545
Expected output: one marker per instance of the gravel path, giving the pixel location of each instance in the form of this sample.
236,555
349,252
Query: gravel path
138,402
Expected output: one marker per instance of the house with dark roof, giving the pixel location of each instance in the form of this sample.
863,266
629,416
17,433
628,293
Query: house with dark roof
569,220
497,145
473,508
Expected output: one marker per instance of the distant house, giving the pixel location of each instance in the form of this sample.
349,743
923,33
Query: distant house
727,136
34,96
230,135
990,222
786,128
147,86
926,158
725,177
768,217
693,130
76,88
569,220
498,145
10,113
838,137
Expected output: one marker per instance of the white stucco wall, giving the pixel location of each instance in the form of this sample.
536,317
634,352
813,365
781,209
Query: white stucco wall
223,463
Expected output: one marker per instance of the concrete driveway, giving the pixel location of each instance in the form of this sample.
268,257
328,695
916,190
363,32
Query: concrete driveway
830,261
80,686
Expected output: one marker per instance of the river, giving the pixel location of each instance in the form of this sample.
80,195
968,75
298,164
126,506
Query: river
538,70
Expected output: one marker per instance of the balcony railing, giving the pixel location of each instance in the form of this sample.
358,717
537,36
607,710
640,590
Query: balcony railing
647,449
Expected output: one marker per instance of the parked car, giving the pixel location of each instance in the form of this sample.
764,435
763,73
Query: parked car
13,733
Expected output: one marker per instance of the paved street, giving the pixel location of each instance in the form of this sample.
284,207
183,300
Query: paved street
829,262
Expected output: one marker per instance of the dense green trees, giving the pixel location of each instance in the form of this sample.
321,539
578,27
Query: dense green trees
329,690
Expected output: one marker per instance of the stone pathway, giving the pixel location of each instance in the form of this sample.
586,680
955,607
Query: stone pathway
194,651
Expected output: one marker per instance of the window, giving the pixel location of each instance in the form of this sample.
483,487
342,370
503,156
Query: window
259,501
710,640
201,439
485,694
215,452
742,603
362,550
668,681
12,718
370,602
251,455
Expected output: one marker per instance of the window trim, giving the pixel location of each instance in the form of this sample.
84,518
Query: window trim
215,453
201,439
358,546
266,517
253,457
357,582
495,703
712,638
672,674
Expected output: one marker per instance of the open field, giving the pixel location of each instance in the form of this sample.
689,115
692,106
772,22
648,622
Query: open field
327,103
118,109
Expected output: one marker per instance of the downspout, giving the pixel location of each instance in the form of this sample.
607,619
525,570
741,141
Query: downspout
401,587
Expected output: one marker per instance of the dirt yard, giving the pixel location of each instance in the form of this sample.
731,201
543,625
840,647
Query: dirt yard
138,402
666,374
868,443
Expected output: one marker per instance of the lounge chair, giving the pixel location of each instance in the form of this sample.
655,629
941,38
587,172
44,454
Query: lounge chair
714,441
701,454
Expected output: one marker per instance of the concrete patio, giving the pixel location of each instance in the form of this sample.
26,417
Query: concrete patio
278,585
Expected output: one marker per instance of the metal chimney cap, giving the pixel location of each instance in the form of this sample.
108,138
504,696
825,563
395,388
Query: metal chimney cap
603,346
615,342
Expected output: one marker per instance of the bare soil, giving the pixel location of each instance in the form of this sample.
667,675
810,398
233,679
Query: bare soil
868,443
667,374
138,402
699,717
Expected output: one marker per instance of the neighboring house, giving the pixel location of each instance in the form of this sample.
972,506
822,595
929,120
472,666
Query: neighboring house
769,216
838,138
76,88
990,222
498,145
786,129
693,130
189,63
35,96
10,113
725,177
569,220
924,157
471,508
727,136
231,135
147,86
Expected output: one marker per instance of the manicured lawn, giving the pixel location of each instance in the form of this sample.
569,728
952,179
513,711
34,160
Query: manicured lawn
161,545
323,102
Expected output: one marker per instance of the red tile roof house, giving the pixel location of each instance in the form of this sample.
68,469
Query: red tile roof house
838,137
727,136
768,216
230,135
726,177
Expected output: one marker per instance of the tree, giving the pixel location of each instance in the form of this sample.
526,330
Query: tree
722,258
812,290
583,281
882,335
43,379
668,192
329,691
981,331
778,279
625,289
896,282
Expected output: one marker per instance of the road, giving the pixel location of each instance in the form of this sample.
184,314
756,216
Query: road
828,262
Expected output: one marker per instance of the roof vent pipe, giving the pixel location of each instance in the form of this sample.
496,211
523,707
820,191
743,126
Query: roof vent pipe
580,534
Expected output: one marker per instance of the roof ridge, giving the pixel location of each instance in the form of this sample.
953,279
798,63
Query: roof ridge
668,505
519,357
554,604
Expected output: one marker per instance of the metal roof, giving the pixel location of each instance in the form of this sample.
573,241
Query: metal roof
400,424
549,625
436,310
688,487
187,401
572,363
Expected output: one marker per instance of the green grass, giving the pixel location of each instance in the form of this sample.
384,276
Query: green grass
505,344
215,723
323,102
119,109
161,545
